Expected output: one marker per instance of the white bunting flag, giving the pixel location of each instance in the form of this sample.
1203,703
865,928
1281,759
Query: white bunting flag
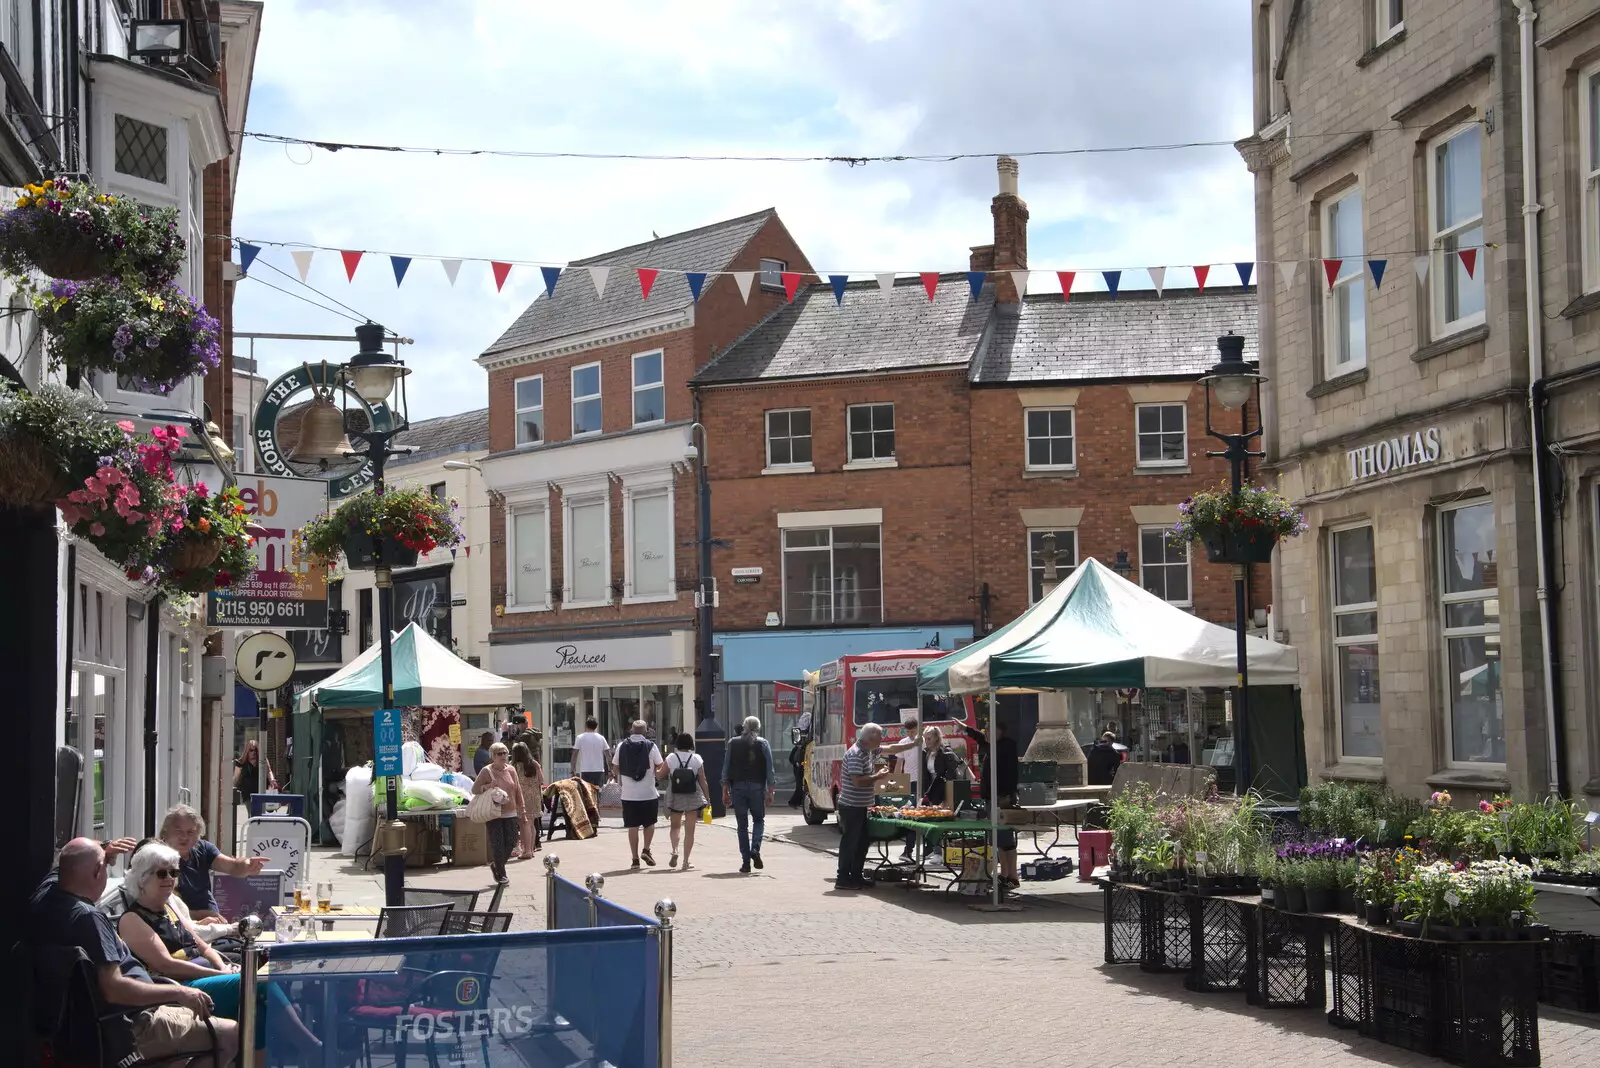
1020,280
886,283
1421,266
598,276
451,269
1286,273
745,279
302,261
1158,277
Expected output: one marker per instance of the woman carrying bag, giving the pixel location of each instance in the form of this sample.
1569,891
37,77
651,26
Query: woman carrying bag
499,781
686,795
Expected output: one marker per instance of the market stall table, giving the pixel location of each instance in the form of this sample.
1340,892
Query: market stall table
1052,817
447,844
929,833
1590,892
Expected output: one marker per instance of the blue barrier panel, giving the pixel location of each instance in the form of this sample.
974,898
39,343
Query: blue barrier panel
610,914
572,905
481,1000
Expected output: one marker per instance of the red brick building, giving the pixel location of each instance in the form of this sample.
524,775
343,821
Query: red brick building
589,419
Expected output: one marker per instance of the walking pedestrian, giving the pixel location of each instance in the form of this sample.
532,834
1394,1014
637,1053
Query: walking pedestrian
591,754
748,782
503,829
530,778
482,757
636,765
797,762
686,795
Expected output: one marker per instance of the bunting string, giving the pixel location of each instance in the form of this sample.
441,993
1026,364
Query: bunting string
1334,271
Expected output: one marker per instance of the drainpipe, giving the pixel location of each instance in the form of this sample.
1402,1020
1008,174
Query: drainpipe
1544,535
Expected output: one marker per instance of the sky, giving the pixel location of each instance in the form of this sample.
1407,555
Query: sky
718,77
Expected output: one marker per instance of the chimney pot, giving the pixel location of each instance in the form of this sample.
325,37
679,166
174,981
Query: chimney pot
1007,168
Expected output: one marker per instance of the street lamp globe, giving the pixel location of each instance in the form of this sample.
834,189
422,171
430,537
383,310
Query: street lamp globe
372,372
1232,380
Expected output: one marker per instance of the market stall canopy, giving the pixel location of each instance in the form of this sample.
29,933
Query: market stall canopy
1099,629
426,675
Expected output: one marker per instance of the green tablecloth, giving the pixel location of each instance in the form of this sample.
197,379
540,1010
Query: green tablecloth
931,830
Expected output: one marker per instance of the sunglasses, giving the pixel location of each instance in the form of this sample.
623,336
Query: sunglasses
166,873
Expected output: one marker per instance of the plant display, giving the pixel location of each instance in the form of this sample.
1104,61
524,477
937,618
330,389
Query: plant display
157,337
1358,812
1158,857
51,439
409,516
69,229
206,547
125,506
1256,510
1482,894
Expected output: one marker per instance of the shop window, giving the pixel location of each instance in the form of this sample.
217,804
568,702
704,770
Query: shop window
530,410
650,536
649,390
1163,435
140,149
365,614
789,438
1344,303
586,412
1164,566
1066,559
528,585
1354,581
1589,174
871,433
1455,184
1050,440
832,575
1470,611
425,601
588,553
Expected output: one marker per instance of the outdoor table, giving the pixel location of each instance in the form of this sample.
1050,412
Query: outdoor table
1033,818
338,914
928,832
1590,892
332,934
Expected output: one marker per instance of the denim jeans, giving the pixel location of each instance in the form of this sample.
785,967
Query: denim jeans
749,805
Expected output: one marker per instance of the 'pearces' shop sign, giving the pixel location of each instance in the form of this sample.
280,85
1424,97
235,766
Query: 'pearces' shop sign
1394,454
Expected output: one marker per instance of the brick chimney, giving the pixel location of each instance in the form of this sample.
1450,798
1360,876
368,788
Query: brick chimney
1010,249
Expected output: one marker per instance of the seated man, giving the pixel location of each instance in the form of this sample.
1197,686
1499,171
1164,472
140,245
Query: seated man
167,1020
183,829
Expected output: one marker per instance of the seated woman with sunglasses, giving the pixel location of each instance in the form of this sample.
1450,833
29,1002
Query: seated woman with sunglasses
168,945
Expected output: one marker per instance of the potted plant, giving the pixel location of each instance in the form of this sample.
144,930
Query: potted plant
1349,870
1375,876
1322,884
388,529
51,439
1500,896
156,337
124,507
1237,528
69,229
1290,882
206,547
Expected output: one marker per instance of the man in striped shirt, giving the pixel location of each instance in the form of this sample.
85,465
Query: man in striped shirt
858,779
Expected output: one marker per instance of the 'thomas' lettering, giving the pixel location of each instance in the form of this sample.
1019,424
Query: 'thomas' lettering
1394,454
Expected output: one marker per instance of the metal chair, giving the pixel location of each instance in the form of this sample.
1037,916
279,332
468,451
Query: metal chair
411,921
458,921
461,899
494,900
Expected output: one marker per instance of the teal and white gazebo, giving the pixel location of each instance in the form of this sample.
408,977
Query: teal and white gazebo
426,675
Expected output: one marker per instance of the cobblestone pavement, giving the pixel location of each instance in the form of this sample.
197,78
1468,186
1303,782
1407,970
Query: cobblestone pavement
777,967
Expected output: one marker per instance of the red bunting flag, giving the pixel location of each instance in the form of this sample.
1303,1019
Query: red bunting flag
1331,269
1065,278
1469,259
350,261
791,283
1200,273
930,282
647,280
501,270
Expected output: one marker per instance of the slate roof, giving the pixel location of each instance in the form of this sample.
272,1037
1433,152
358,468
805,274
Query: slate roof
575,309
462,432
1138,335
871,332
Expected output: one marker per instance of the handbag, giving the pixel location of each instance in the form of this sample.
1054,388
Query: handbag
483,807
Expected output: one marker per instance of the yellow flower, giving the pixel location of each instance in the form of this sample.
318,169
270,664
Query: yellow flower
157,304
24,202
49,183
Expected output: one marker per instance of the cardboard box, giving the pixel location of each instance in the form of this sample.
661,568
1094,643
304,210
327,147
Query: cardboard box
471,842
424,845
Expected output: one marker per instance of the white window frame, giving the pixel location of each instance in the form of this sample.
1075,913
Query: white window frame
1335,611
1384,22
658,384
521,411
1140,435
1440,259
1447,632
570,501
1589,175
770,273
1277,104
630,496
598,396
1062,570
833,576
1027,460
852,461
1351,281
1168,546
766,436
512,603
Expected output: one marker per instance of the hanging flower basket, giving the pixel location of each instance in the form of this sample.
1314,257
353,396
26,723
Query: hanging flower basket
207,547
126,505
156,337
73,231
409,521
1238,528
51,439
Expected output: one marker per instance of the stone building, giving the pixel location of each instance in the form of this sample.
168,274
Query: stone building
1410,383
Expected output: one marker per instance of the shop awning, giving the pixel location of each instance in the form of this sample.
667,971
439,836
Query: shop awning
426,674
1099,629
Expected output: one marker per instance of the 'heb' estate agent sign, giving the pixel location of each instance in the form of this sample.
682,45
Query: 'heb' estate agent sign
1394,454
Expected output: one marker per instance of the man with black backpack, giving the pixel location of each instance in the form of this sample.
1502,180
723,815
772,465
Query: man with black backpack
636,767
748,782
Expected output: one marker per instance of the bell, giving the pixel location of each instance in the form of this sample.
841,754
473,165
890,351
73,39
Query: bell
322,439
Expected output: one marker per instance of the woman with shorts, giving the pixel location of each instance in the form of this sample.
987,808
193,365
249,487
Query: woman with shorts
686,795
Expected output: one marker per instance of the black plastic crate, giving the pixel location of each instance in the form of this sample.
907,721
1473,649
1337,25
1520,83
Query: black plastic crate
1284,960
1569,971
1165,941
1352,995
1488,1010
1402,1009
1124,928
1218,934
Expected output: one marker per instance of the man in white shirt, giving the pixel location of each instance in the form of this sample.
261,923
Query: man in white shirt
637,764
591,756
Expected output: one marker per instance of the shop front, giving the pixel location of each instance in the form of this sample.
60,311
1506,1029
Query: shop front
615,680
